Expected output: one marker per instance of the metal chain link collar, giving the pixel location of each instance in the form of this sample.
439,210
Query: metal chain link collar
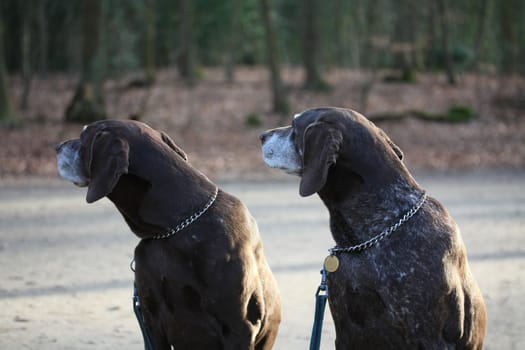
188,221
374,240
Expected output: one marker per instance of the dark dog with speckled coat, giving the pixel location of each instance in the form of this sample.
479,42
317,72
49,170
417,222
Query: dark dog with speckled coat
403,280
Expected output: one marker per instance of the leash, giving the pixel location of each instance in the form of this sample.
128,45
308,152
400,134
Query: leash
320,305
171,232
138,312
140,318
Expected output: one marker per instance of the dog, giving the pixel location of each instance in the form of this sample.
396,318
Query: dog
400,277
200,270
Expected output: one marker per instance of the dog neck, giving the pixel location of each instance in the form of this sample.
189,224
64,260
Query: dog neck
151,209
361,209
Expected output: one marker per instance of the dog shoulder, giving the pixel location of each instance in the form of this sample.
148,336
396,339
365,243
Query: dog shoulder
234,210
440,218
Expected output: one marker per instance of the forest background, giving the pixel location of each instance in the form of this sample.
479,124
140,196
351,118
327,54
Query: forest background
444,78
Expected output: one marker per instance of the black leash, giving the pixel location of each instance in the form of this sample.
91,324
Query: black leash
320,304
138,312
140,318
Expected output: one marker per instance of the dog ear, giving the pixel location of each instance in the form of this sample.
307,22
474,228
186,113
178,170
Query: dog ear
167,140
321,144
392,145
107,162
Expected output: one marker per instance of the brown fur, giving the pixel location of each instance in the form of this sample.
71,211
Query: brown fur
209,286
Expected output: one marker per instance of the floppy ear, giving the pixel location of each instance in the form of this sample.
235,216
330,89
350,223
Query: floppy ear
321,144
108,161
392,145
167,140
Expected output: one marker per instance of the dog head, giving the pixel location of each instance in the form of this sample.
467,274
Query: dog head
102,154
319,139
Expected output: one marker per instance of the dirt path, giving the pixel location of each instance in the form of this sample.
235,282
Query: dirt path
66,284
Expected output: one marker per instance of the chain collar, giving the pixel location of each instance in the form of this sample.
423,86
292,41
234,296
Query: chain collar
385,233
188,221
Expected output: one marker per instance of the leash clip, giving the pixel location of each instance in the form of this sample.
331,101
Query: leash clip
323,287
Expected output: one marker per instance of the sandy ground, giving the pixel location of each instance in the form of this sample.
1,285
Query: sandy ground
66,282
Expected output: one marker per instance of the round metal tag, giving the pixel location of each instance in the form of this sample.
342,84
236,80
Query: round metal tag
331,263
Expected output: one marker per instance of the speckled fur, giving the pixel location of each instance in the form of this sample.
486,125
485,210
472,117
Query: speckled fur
413,290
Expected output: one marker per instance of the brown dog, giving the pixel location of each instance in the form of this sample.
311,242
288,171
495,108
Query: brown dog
201,273
403,280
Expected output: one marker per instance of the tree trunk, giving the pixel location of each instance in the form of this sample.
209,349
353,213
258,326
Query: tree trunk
7,114
369,53
508,36
186,59
404,40
449,65
26,11
480,31
88,101
340,13
42,36
311,50
232,43
280,104
149,59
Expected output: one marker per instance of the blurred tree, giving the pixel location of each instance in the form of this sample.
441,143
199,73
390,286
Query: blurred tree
27,13
144,35
280,103
87,104
232,43
311,49
42,32
186,55
508,10
404,39
341,13
123,41
372,40
7,114
441,7
149,47
480,31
